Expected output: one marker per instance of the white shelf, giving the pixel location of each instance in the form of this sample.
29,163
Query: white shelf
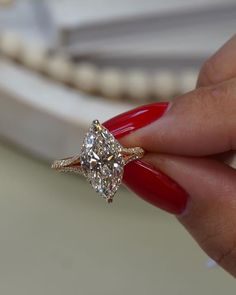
43,116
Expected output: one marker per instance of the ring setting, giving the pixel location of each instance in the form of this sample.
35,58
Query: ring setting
101,160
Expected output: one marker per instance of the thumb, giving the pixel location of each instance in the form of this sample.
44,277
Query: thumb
210,214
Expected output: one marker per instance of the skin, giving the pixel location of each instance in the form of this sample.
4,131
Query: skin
197,131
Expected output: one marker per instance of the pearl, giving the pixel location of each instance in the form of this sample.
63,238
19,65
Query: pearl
85,77
34,57
10,44
164,84
137,85
111,83
60,68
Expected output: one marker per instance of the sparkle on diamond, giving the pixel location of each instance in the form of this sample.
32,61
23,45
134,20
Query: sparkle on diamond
101,160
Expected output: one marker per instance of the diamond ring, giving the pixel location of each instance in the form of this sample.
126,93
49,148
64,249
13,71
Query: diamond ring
101,161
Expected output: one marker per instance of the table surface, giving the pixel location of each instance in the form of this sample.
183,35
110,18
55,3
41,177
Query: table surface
58,237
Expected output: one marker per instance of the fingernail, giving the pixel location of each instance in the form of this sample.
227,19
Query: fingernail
146,181
155,187
130,121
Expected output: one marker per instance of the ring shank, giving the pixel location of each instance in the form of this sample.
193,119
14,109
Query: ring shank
73,164
131,154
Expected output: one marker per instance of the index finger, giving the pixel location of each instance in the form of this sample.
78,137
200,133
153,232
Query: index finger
199,123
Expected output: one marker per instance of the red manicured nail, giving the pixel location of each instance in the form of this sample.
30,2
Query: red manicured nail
149,183
130,121
155,187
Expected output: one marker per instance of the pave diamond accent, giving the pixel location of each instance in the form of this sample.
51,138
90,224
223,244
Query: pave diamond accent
101,160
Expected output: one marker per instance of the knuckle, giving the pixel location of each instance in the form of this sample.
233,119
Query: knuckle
208,73
219,238
221,98
220,93
226,254
211,100
220,248
217,96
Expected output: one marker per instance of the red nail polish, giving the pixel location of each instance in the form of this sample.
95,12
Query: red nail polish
155,187
130,121
149,183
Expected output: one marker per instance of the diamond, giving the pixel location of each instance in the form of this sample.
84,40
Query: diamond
90,141
102,161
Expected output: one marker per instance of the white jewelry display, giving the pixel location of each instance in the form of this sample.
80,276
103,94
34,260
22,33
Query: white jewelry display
135,85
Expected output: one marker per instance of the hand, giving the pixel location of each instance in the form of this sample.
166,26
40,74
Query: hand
186,140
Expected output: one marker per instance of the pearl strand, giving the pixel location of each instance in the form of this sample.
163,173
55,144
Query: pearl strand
134,85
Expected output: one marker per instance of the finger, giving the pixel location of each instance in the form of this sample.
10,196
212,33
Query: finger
220,67
148,183
199,123
210,213
229,158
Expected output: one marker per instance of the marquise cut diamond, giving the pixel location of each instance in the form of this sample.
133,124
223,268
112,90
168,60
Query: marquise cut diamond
101,160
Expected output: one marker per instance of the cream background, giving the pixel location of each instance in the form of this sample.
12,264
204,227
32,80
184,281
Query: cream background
58,237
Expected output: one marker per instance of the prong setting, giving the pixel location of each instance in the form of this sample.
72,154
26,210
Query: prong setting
96,125
101,161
